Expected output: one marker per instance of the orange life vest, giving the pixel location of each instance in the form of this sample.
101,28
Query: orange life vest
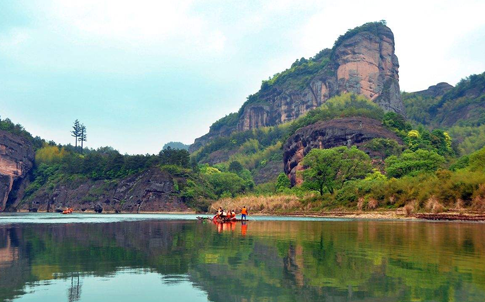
244,211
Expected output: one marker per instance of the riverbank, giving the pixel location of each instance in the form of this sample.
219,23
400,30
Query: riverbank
291,205
294,208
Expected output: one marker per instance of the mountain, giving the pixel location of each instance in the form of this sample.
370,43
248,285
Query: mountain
362,61
443,105
460,110
176,145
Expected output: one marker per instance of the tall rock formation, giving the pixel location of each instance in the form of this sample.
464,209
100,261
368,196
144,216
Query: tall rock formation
16,160
362,62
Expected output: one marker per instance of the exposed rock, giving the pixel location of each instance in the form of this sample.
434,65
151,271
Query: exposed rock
351,131
203,140
16,161
364,63
98,208
151,190
436,90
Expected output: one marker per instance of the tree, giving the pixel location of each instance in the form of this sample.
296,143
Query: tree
82,135
477,160
413,162
235,167
76,131
176,157
330,168
282,183
226,182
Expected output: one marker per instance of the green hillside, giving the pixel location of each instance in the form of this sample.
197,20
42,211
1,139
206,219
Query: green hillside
460,111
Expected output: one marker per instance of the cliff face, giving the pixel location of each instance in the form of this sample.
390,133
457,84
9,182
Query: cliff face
16,161
363,64
334,133
363,61
151,190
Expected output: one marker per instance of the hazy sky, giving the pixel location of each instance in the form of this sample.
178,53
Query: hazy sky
142,73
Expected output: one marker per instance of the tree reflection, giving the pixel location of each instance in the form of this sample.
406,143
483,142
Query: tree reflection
275,261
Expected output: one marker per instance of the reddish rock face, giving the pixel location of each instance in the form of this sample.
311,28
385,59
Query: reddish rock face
367,65
351,131
16,160
363,64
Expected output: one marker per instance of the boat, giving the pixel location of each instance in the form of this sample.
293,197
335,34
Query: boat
220,220
67,211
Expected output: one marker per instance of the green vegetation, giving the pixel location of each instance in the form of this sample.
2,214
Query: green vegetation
300,73
297,77
229,120
345,105
330,168
17,129
413,163
370,27
425,151
460,111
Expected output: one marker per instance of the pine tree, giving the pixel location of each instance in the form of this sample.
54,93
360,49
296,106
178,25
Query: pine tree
82,136
76,131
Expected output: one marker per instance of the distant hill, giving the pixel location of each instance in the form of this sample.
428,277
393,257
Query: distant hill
443,105
176,145
459,109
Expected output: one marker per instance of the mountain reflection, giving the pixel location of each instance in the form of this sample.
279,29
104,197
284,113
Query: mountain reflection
258,260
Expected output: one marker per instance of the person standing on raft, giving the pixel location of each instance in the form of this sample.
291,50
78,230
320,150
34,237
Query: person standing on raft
244,213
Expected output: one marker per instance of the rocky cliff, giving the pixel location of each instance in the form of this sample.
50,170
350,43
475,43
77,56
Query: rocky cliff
16,161
149,191
362,61
334,133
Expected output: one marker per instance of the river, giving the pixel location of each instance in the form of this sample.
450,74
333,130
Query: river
161,257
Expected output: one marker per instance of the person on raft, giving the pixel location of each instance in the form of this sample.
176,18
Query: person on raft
244,213
219,213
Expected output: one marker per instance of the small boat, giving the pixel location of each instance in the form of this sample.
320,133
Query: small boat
67,211
220,220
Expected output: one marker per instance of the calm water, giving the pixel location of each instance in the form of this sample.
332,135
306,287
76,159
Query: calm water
52,257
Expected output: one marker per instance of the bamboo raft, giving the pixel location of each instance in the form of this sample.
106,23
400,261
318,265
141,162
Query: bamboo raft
451,217
220,220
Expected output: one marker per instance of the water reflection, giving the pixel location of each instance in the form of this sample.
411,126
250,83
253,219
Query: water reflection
249,261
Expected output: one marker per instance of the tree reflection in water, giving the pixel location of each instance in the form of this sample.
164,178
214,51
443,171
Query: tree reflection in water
274,261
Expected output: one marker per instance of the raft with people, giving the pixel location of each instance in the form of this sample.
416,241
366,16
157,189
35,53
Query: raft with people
68,211
225,217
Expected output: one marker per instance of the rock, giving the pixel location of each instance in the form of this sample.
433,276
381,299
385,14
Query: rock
98,208
149,191
16,161
364,63
351,131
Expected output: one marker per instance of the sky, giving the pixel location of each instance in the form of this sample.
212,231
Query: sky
139,74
